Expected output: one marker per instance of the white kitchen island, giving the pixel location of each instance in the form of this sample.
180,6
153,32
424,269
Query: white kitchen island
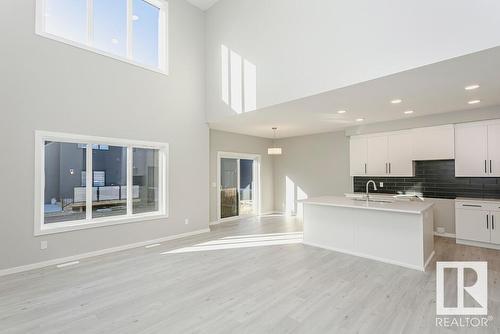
399,232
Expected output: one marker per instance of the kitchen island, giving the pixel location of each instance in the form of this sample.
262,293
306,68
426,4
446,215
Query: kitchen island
396,232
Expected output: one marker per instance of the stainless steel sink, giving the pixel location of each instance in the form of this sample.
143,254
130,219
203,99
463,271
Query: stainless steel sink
372,200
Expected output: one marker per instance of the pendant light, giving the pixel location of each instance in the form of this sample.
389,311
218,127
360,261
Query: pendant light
274,150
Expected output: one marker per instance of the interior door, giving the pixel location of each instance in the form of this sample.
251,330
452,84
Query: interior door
494,150
471,150
246,187
377,156
229,197
357,154
473,225
400,155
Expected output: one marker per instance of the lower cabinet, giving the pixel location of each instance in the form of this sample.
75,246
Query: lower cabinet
478,222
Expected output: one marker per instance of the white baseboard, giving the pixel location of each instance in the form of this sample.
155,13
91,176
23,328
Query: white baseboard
368,256
217,222
478,244
445,235
429,259
77,257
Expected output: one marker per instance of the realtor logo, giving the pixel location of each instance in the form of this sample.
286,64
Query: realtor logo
475,293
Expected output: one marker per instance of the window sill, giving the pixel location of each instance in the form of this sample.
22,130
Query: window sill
96,223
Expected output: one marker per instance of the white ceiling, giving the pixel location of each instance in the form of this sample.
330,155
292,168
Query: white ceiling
203,4
431,89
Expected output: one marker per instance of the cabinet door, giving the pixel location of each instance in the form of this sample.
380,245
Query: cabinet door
434,143
495,227
472,225
494,150
377,156
471,150
357,154
400,155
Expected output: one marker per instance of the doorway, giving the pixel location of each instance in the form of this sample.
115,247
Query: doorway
239,185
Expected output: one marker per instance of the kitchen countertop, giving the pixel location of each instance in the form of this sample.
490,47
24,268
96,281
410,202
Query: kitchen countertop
471,199
414,207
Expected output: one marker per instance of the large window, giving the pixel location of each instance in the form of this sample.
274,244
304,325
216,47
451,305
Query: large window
128,182
130,30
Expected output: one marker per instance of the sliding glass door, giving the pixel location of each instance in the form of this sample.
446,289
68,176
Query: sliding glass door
238,186
229,188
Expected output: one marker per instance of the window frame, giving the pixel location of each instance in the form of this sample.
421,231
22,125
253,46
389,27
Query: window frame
40,228
162,5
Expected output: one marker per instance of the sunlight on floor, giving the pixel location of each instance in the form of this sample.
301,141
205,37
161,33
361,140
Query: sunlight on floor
243,241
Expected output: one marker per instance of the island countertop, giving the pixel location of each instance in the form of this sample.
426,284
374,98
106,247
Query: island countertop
413,207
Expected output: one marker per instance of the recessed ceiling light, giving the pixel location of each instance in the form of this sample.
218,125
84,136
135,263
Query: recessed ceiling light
135,17
472,87
360,119
474,101
114,41
341,112
396,101
409,112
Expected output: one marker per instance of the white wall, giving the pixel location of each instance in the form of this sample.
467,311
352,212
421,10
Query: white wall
48,85
221,141
315,165
306,47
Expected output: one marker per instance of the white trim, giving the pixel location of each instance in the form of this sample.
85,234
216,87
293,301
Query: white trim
162,35
445,235
429,259
163,199
68,264
57,261
367,256
256,179
478,244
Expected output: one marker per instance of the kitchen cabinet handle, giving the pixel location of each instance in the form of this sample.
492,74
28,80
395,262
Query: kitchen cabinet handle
492,222
386,167
472,205
365,168
485,166
487,222
389,168
491,168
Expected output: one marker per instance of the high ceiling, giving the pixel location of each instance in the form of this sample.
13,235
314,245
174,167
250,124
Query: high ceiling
203,4
431,89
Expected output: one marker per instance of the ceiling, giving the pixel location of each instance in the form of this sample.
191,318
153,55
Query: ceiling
203,4
431,89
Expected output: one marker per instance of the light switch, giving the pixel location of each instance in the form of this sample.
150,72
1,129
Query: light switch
43,244
381,184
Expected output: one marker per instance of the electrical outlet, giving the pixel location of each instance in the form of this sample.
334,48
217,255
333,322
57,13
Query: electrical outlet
44,244
186,221
381,184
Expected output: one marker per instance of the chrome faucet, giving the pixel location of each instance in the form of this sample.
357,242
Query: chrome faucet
367,190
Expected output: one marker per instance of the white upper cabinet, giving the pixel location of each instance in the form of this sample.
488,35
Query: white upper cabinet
358,159
377,156
494,150
388,154
434,143
399,154
477,149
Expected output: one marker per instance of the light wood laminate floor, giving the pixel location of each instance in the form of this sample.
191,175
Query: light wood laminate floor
248,276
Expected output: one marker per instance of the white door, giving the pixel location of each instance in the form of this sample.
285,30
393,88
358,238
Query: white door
471,150
473,225
400,155
495,227
377,156
357,156
494,150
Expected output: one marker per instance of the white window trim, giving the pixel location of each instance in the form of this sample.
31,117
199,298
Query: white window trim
163,198
162,35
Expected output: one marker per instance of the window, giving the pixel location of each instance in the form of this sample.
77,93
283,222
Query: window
130,30
127,183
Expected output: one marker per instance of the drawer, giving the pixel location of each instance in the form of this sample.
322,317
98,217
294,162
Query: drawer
477,205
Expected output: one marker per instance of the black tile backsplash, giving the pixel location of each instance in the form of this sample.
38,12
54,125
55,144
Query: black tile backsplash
435,179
